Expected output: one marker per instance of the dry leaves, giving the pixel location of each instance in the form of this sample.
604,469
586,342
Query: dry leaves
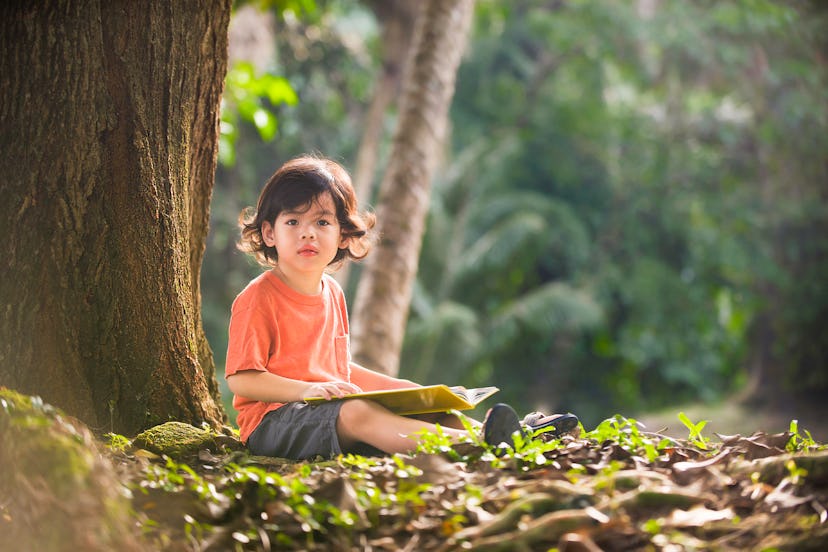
636,491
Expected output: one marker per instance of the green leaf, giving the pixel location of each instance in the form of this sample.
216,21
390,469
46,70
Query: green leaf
278,90
265,123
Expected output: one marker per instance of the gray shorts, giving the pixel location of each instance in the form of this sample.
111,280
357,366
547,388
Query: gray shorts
298,431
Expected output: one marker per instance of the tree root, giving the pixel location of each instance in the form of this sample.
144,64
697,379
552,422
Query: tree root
547,528
508,518
656,497
773,469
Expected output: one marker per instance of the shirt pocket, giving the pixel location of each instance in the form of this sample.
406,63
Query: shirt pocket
343,357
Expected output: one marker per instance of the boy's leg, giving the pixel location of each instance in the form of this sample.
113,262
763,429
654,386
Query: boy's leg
368,422
445,419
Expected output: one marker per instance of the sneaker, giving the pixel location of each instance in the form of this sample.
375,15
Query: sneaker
554,425
500,424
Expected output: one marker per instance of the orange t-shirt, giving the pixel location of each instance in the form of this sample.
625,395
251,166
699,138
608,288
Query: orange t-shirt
303,337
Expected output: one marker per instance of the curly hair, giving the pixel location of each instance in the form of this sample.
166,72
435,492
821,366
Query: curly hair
296,184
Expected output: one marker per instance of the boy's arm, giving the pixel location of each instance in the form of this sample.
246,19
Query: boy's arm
370,380
267,387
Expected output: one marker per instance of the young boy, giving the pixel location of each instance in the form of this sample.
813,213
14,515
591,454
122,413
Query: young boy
289,329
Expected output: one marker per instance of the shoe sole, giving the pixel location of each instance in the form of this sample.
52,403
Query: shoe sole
562,424
500,424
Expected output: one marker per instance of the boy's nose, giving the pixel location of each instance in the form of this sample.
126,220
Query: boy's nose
308,231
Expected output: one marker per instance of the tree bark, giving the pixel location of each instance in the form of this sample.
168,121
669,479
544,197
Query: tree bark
397,19
384,292
109,140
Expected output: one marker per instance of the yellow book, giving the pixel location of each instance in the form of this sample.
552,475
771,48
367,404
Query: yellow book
423,400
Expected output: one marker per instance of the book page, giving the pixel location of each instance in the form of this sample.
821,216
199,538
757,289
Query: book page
474,395
420,400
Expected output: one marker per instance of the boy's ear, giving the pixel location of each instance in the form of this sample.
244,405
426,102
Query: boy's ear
344,242
268,235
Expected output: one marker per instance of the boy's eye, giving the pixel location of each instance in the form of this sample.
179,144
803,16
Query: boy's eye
291,222
323,223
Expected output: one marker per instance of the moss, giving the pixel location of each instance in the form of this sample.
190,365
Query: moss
60,492
43,444
175,439
11,401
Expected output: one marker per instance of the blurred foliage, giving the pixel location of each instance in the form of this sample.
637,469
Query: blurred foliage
326,56
631,190
647,172
251,98
302,8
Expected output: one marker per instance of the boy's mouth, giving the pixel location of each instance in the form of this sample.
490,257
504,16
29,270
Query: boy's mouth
307,251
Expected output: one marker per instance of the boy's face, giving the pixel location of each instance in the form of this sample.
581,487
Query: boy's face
306,239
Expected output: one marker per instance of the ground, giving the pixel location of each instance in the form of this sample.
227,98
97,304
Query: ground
734,416
617,487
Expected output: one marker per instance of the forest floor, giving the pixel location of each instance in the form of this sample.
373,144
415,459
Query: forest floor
733,416
616,487
711,480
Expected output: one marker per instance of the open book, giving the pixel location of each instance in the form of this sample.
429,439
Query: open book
423,400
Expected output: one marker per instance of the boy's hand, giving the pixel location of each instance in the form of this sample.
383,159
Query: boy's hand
331,389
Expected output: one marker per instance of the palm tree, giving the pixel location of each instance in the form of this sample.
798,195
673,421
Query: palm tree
493,275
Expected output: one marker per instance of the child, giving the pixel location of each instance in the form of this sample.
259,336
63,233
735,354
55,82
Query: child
289,329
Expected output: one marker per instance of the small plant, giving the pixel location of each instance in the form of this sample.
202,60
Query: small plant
606,478
438,442
530,450
195,531
799,442
695,431
796,474
653,526
360,464
261,487
116,442
626,432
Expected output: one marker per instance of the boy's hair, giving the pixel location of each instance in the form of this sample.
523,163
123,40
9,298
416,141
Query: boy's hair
297,184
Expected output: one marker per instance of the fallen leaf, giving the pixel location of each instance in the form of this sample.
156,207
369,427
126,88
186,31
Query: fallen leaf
697,516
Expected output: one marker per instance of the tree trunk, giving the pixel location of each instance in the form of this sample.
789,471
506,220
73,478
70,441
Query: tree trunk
384,291
397,19
109,138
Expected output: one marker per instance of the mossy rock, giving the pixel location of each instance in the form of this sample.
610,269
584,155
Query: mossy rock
59,492
177,440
